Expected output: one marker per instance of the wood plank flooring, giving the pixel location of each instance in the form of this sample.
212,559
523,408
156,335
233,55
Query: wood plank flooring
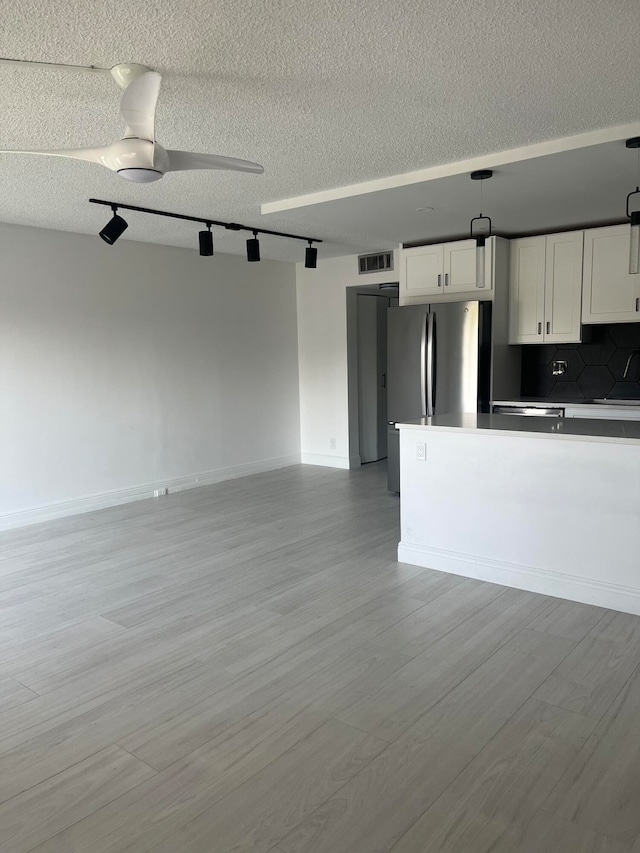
245,667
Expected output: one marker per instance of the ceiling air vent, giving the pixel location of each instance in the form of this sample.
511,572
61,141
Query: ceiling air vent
378,262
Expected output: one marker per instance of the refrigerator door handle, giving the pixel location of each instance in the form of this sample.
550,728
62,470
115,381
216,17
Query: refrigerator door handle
429,363
423,365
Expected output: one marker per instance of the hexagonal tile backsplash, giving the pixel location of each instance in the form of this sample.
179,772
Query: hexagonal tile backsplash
594,367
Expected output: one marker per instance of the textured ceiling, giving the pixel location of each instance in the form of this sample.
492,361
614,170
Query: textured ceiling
569,189
321,93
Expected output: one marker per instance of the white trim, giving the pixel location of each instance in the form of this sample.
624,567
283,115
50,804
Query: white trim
141,492
325,461
355,461
486,161
557,584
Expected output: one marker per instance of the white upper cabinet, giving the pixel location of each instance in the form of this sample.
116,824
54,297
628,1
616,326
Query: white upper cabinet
611,294
441,269
526,290
422,271
545,289
460,265
563,287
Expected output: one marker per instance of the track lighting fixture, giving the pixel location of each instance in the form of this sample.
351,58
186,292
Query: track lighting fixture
311,256
480,229
114,228
117,225
253,248
206,242
634,215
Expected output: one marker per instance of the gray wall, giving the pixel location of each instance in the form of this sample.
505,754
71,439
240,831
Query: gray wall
327,398
127,367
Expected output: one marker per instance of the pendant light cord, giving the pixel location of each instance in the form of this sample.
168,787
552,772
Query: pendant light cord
481,183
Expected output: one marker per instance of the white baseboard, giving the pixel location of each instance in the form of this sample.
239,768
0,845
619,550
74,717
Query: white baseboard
141,492
557,584
326,461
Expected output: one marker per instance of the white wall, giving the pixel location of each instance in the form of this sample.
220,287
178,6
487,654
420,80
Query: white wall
322,354
126,368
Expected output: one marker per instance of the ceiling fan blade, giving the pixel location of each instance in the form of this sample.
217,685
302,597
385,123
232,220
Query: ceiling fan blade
91,155
180,161
138,105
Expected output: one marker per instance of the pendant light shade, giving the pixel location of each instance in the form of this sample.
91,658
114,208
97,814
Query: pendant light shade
480,229
633,200
480,252
634,244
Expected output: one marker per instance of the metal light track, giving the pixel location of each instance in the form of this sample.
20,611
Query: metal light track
230,226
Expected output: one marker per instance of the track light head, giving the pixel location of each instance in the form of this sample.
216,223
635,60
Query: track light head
311,256
206,242
253,248
114,228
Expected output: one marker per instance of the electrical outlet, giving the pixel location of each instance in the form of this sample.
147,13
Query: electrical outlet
160,492
332,444
421,451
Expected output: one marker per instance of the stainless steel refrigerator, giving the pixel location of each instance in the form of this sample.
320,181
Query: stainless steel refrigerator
438,362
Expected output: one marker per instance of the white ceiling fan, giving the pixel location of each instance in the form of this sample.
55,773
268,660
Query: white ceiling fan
138,156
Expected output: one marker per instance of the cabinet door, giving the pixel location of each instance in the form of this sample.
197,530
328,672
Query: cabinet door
460,266
422,271
526,290
563,288
610,295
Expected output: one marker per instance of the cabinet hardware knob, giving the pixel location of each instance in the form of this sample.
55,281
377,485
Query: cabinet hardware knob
439,280
446,279
539,328
548,327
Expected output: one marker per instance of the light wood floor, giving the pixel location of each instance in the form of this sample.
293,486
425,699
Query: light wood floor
245,667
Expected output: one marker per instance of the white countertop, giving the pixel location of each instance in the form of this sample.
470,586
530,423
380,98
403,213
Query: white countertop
573,429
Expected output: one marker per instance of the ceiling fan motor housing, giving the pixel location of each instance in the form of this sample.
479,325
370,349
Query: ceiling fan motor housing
137,160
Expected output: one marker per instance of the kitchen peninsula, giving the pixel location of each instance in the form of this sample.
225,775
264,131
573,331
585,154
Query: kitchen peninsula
550,505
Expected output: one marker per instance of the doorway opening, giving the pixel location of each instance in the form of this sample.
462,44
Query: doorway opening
367,367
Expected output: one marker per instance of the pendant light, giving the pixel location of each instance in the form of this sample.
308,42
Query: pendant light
480,229
634,215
